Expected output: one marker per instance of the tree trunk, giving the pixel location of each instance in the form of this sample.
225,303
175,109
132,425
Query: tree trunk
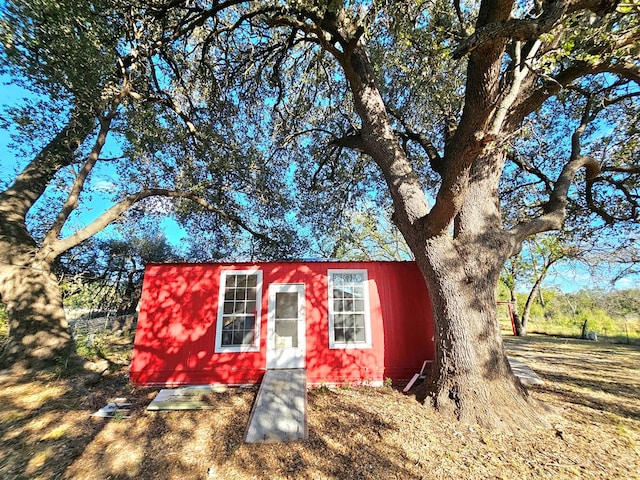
471,377
131,295
38,330
526,313
519,322
583,334
31,183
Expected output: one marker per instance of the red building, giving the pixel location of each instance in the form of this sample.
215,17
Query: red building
226,323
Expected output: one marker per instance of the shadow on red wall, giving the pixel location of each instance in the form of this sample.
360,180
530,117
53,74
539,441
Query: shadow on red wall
407,322
175,340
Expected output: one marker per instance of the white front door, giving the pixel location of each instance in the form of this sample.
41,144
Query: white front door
286,326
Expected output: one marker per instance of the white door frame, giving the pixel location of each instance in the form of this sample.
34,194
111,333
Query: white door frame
283,356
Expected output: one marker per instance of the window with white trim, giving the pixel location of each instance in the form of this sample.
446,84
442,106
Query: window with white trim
238,326
349,318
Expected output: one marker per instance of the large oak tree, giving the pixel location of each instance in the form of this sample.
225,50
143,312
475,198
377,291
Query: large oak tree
436,94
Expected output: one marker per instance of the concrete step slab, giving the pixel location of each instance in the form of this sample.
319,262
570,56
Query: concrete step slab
279,413
524,372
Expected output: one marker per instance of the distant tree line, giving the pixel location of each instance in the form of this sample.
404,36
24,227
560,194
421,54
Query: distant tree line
610,314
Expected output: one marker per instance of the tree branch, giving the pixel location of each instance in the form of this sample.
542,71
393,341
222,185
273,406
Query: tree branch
72,200
619,185
352,141
633,169
331,158
553,85
553,11
531,169
169,101
520,71
195,17
555,208
435,159
463,27
60,246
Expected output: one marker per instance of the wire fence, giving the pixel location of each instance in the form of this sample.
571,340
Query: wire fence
98,322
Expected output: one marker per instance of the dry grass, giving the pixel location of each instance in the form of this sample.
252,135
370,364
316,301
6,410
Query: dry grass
354,432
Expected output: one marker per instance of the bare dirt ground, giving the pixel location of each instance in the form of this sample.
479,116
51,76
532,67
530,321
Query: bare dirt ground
354,432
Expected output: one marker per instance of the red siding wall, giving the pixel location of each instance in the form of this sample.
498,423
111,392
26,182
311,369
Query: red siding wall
175,339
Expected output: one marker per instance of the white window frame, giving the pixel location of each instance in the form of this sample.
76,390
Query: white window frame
367,311
219,348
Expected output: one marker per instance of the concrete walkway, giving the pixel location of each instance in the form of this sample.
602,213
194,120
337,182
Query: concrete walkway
279,413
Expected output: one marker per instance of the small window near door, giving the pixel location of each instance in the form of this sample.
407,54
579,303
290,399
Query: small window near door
349,318
238,326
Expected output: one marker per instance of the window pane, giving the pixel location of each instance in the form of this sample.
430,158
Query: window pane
286,333
338,321
358,320
227,337
252,281
249,322
229,294
337,305
228,308
227,323
358,306
241,281
231,281
286,305
239,308
360,335
251,294
350,321
339,335
248,338
251,308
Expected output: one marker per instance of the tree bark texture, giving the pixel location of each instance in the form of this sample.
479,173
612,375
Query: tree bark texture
38,330
470,378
